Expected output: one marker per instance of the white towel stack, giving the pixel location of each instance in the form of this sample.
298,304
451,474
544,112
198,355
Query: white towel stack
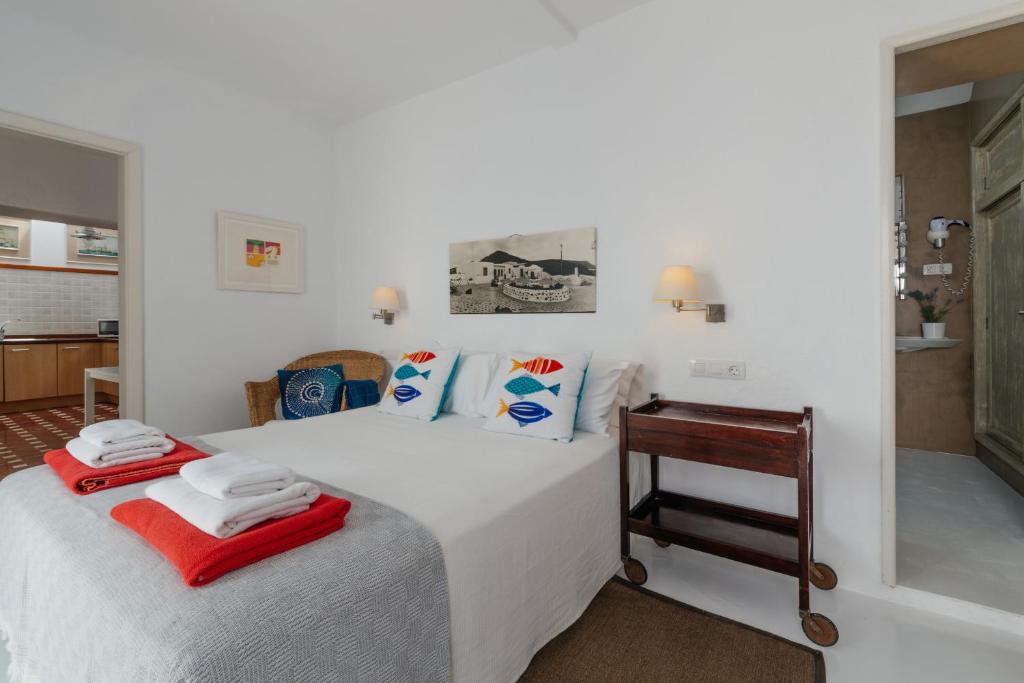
119,442
225,494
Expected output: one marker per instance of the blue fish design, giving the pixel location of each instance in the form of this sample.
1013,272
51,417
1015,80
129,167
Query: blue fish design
524,412
407,372
404,393
521,386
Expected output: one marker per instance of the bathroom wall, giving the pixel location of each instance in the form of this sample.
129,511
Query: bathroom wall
989,96
56,302
934,388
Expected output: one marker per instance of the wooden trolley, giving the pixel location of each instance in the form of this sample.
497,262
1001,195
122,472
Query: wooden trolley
766,441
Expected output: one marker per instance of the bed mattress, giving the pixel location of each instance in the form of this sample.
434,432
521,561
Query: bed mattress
528,527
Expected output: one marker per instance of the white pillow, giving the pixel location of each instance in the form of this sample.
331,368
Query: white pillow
625,392
417,386
537,395
601,391
469,385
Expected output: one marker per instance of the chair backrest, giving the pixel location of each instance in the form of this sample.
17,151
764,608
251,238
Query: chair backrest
262,396
355,364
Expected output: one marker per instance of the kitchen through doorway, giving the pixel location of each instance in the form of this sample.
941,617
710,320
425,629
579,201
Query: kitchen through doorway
70,324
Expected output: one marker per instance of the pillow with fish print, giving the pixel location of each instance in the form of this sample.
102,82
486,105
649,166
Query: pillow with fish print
537,394
418,385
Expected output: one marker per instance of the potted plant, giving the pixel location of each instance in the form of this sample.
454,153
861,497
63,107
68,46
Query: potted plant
932,313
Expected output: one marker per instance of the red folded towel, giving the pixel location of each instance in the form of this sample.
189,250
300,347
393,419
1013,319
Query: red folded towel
201,558
82,479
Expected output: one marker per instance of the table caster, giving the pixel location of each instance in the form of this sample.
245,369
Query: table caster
635,571
661,544
823,576
819,629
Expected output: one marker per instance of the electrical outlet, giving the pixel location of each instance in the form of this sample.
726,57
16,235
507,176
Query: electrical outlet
938,269
719,369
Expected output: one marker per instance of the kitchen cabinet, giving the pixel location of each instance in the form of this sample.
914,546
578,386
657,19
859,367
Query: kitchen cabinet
109,358
72,360
30,371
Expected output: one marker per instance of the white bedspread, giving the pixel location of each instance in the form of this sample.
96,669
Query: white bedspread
529,528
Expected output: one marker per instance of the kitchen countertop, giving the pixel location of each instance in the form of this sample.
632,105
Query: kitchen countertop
55,339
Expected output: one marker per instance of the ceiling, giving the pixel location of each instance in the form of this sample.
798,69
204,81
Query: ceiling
337,59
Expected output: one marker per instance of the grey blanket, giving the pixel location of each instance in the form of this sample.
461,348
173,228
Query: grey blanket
83,598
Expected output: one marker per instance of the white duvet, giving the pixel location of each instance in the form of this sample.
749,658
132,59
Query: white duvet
529,528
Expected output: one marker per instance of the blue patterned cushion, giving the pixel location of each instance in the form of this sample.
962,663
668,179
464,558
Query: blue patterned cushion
310,392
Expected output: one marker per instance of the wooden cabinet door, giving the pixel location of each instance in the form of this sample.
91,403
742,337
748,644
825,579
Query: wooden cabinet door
999,160
72,360
30,371
109,358
1006,323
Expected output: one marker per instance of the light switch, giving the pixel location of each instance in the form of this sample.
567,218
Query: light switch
719,369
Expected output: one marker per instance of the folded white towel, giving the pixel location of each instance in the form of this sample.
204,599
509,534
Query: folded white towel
117,431
225,518
234,475
136,450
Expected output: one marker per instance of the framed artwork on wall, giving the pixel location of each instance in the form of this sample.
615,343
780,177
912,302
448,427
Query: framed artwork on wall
259,255
93,246
15,239
548,272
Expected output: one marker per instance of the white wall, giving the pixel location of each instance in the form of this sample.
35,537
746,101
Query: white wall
49,244
740,137
204,148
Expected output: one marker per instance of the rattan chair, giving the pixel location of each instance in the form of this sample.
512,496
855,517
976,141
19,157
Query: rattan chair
263,396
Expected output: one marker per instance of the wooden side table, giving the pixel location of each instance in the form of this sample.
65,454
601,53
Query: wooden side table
765,441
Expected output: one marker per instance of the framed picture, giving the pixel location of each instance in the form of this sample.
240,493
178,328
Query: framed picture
259,255
15,239
549,272
91,246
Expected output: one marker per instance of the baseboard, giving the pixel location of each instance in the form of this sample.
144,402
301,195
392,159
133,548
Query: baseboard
1004,463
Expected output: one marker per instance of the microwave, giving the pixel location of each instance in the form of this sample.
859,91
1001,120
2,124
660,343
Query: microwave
107,328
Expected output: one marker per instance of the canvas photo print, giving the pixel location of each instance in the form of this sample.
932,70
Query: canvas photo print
10,238
550,272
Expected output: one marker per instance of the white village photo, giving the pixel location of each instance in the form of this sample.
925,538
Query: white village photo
551,272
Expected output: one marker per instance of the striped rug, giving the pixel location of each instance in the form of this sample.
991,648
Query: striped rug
25,437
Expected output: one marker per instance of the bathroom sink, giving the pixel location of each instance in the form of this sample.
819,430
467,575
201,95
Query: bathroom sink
908,344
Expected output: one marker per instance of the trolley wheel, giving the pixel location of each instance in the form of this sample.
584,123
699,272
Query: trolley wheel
635,571
823,576
819,629
661,544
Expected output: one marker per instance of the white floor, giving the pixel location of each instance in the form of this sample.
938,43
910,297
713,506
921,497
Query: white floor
879,641
959,530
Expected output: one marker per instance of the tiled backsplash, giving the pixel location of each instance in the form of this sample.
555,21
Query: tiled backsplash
54,302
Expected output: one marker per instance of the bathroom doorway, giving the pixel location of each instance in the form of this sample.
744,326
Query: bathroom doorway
958,286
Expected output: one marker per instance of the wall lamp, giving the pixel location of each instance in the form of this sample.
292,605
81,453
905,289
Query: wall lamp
678,286
384,302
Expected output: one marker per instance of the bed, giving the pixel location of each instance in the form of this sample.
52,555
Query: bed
527,527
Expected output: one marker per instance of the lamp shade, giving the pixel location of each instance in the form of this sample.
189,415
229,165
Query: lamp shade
677,283
384,299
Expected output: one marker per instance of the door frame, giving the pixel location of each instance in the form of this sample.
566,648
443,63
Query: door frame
890,47
130,262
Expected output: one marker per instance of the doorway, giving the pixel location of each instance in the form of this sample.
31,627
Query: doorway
953,466
91,245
